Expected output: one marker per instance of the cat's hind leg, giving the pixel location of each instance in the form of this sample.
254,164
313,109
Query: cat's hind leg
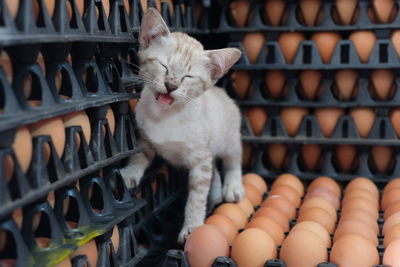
233,190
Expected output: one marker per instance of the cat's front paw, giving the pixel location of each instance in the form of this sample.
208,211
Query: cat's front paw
233,192
185,232
131,175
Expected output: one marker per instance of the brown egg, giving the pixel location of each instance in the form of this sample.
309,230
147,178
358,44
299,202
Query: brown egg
232,212
319,202
227,227
290,180
115,238
391,235
289,43
257,117
246,155
346,10
318,215
310,11
292,118
253,247
78,118
287,192
361,192
326,194
53,127
246,206
12,6
310,81
316,228
382,157
204,245
22,146
362,182
252,194
346,82
275,82
395,120
383,10
391,254
133,103
5,63
257,181
324,181
364,119
252,44
50,4
382,83
303,248
390,197
345,156
111,119
240,10
363,216
326,43
281,203
80,6
271,227
364,42
275,11
395,38
277,154
90,250
327,119
355,226
354,250
275,214
311,155
18,217
390,222
363,204
392,184
241,81
392,208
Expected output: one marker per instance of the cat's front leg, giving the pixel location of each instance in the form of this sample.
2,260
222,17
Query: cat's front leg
199,186
233,190
133,172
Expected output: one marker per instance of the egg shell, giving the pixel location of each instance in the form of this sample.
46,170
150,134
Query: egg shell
316,228
257,118
42,242
354,250
346,82
252,248
80,6
274,11
241,81
303,249
78,118
382,82
246,206
292,118
290,180
318,202
252,194
310,81
252,44
271,227
277,155
391,235
257,181
395,38
361,203
115,238
391,254
346,10
383,10
240,10
355,226
318,215
90,250
327,182
288,192
349,199
310,10
326,194
64,263
395,120
289,43
233,212
275,214
362,182
227,227
363,216
390,222
327,119
204,245
392,208
361,192
111,119
50,4
275,81
345,156
281,203
364,42
18,217
395,182
23,147
311,155
326,43
382,156
12,6
390,197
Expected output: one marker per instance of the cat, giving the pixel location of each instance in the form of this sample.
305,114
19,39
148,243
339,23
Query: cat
183,117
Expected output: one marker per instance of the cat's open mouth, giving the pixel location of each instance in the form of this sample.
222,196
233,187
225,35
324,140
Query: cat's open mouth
165,99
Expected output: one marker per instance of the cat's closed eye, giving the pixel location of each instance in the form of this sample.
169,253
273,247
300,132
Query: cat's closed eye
187,76
165,67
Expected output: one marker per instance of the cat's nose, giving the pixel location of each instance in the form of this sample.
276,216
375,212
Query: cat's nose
170,87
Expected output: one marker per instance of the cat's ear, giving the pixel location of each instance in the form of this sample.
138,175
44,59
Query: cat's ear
221,60
152,28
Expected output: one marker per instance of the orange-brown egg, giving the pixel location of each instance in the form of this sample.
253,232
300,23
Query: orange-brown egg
246,206
324,181
327,119
392,208
275,214
50,4
311,155
319,202
395,38
361,203
292,118
345,156
240,10
233,212
383,11
362,182
275,11
310,81
290,180
364,119
257,117
270,226
316,228
257,181
78,118
310,12
355,226
390,197
390,222
382,157
275,83
360,192
252,43
225,225
281,203
288,192
133,103
318,215
90,250
22,146
326,43
115,238
395,120
289,43
241,81
364,42
277,155
111,119
391,254
252,194
382,83
346,10
392,184
346,83
363,216
391,235
326,194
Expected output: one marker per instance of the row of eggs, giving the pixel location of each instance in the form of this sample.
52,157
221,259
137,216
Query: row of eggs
345,84
289,42
310,12
355,233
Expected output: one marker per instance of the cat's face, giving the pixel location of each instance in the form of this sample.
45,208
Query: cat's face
174,66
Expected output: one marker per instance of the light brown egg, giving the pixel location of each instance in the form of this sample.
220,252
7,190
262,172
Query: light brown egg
12,6
346,83
80,6
319,202
277,154
281,203
288,192
290,180
383,10
78,118
382,83
22,146
292,118
311,155
204,245
392,184
392,208
326,194
275,82
252,43
382,157
310,81
5,63
395,120
303,248
363,216
316,228
241,81
246,206
271,227
257,181
346,10
362,182
361,203
355,226
252,194
391,235
50,4
115,238
326,43
257,117
390,197
354,250
253,247
364,119
395,38
345,156
90,250
133,103
18,217
227,227
275,214
390,222
289,43
391,254
364,42
275,11
325,181
327,119
240,10
111,119
233,212
361,192
310,12
318,215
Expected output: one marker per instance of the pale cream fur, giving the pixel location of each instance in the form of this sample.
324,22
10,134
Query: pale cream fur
202,123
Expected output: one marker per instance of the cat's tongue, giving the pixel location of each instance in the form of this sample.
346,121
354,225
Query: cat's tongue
165,99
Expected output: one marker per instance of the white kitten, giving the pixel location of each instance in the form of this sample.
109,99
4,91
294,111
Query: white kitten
184,118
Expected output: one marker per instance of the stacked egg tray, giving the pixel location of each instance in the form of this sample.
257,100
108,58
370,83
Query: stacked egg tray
66,57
